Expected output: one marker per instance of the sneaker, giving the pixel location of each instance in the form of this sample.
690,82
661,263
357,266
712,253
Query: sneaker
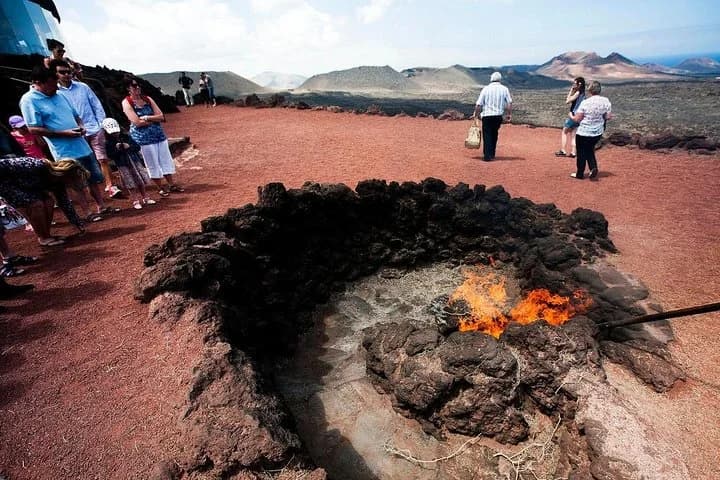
137,205
593,173
149,201
176,188
114,192
575,175
163,193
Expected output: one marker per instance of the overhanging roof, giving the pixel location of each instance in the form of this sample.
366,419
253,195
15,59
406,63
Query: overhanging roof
48,5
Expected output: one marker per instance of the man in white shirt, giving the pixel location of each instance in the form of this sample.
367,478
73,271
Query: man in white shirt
492,103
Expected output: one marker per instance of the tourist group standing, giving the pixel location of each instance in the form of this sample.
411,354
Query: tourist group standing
59,153
206,89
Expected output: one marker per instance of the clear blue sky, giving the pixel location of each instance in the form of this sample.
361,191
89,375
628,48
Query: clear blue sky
317,36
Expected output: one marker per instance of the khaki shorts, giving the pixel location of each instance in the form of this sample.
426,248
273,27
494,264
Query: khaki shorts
97,143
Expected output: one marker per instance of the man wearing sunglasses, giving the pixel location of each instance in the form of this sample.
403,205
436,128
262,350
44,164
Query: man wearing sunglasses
91,111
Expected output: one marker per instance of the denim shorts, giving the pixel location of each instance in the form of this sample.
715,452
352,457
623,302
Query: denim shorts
570,123
90,163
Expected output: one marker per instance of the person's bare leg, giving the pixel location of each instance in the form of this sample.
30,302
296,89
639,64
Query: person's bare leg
35,214
141,190
49,205
80,197
563,140
105,167
157,182
169,179
574,146
97,194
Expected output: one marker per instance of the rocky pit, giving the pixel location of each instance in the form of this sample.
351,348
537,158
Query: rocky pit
331,340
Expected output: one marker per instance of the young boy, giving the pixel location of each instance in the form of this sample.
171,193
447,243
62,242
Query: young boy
33,145
122,150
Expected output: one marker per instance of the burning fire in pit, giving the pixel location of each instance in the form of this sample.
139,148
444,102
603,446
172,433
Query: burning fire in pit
486,299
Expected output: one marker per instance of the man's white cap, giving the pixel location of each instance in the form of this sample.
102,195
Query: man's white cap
495,77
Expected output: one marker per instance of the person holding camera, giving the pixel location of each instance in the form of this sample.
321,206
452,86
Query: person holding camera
50,115
574,99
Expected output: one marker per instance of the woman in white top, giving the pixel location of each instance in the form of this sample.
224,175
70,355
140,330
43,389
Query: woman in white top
591,116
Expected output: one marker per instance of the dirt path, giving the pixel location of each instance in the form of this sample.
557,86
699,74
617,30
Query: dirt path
89,387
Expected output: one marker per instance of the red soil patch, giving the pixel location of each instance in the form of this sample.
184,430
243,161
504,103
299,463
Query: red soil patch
89,388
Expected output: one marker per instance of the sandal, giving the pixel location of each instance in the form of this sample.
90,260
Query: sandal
106,210
21,260
572,155
560,153
163,193
8,271
53,242
176,188
137,205
94,217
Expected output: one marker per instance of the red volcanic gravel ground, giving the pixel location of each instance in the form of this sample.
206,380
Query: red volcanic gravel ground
89,387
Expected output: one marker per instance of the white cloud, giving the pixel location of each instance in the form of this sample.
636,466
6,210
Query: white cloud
161,36
374,11
265,6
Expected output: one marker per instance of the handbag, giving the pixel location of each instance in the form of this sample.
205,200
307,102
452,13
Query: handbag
9,217
473,138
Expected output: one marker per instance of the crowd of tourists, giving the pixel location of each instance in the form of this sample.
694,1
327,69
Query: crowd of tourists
63,151
206,89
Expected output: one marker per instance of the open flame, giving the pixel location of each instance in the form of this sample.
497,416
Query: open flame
486,298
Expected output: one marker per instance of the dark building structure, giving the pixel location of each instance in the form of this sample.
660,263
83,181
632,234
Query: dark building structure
26,25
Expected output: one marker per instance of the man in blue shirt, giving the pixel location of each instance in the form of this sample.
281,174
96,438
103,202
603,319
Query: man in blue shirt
91,112
48,114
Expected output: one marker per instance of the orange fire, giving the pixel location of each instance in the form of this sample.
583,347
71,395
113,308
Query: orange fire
486,298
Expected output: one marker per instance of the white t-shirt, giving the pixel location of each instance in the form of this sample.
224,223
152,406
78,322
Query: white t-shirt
594,109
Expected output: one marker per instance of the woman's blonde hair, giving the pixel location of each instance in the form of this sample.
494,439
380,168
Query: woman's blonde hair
69,171
67,166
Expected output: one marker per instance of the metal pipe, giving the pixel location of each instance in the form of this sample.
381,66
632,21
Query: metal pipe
654,317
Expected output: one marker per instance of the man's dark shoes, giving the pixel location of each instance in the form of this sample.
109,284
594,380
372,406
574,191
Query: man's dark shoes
593,173
576,176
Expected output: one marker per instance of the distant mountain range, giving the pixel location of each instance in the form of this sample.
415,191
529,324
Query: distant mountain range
227,84
278,81
457,79
590,65
700,65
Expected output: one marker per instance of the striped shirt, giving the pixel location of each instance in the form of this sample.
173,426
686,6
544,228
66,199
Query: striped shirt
494,99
